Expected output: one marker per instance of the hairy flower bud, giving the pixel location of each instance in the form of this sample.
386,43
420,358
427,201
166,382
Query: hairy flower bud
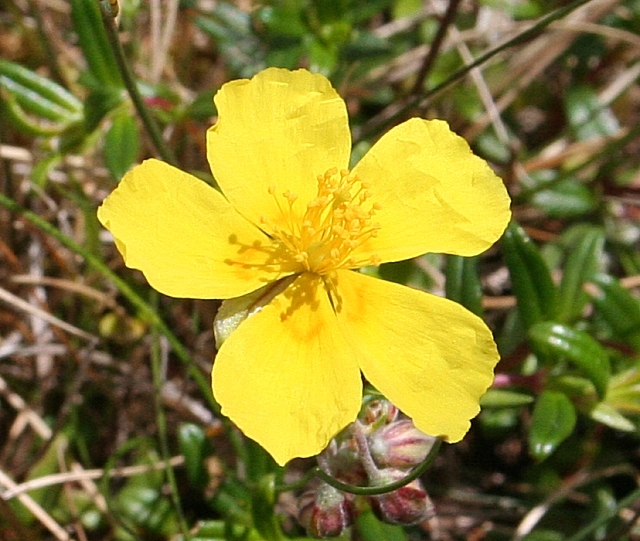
399,445
378,411
346,466
324,511
407,505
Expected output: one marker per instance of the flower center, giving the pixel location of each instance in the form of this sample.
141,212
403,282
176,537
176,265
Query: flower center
333,225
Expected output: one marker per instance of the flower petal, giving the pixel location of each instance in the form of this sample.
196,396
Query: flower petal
286,376
185,236
428,355
436,195
282,128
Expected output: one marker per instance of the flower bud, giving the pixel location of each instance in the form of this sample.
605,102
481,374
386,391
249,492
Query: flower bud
399,445
346,466
324,511
404,506
378,411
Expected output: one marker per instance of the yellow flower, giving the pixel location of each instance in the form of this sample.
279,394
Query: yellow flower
292,215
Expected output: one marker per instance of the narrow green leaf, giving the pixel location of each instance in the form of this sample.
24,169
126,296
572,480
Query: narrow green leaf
553,420
36,104
618,307
193,443
122,144
608,415
262,508
503,398
92,37
560,341
463,283
15,116
581,266
42,86
533,287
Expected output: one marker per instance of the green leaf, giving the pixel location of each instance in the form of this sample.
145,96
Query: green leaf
39,95
587,115
533,287
543,535
218,530
618,307
567,198
122,144
193,444
372,529
92,37
262,507
553,420
608,415
14,115
502,398
560,341
463,283
98,104
581,266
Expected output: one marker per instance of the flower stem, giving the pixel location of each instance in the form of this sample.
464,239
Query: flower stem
132,88
374,491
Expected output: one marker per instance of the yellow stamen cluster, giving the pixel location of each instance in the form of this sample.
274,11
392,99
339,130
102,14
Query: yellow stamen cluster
333,224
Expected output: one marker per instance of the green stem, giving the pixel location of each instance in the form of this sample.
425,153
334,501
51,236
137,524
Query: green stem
606,517
146,311
161,421
435,46
365,491
147,120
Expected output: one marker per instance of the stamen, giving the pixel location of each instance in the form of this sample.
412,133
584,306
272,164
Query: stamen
332,225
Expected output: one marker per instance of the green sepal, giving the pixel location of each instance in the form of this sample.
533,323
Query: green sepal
536,294
234,311
581,266
553,421
463,283
559,341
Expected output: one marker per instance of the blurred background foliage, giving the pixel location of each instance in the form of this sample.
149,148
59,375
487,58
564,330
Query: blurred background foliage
107,425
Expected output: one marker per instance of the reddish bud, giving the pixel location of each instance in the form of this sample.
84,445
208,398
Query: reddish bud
324,511
399,445
407,505
378,411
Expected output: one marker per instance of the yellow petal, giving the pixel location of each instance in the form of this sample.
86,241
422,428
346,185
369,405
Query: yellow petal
428,355
286,376
436,195
281,128
185,236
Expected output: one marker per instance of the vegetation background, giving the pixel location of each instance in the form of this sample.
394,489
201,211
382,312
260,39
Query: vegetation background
107,426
